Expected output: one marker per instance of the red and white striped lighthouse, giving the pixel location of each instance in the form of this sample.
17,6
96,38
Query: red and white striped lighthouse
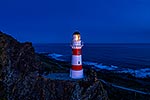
76,70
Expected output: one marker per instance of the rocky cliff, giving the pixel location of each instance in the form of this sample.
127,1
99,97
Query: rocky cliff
20,78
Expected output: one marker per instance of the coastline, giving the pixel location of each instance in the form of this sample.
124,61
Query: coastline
121,82
22,70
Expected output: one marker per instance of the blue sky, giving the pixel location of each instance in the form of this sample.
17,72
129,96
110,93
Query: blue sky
98,21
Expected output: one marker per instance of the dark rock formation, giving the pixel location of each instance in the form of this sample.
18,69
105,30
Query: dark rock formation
17,61
20,80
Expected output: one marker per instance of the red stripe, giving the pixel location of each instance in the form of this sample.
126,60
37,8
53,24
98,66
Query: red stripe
76,67
76,51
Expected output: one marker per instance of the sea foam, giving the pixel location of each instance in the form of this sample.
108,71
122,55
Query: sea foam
101,66
56,56
138,73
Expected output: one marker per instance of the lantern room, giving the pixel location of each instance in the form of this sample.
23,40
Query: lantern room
76,36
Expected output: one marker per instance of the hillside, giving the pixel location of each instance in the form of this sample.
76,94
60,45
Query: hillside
21,76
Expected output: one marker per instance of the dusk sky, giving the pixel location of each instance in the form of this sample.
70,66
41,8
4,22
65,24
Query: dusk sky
98,21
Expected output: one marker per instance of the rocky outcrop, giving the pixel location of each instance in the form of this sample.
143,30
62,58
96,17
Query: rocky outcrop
86,91
17,61
20,78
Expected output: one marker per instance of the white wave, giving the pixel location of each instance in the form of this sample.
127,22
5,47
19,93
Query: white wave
56,56
101,66
139,73
114,66
89,63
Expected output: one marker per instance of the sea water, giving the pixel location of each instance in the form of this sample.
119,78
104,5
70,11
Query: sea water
121,58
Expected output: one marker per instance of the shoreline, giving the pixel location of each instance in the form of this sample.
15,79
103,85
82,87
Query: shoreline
118,79
22,69
142,73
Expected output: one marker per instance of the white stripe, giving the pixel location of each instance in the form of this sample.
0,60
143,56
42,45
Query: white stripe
76,59
76,74
76,43
75,47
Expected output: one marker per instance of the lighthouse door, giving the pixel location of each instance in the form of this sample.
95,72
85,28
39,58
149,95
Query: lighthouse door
78,62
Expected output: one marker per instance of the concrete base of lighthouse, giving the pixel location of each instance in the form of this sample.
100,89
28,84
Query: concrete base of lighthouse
76,74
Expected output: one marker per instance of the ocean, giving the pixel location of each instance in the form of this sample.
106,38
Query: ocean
120,58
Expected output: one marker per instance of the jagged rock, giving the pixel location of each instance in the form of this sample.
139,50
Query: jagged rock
19,77
76,95
17,61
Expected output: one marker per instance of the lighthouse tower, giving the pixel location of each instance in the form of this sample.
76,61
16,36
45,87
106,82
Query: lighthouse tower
76,71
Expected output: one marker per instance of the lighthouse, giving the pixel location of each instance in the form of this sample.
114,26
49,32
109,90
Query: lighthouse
76,71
